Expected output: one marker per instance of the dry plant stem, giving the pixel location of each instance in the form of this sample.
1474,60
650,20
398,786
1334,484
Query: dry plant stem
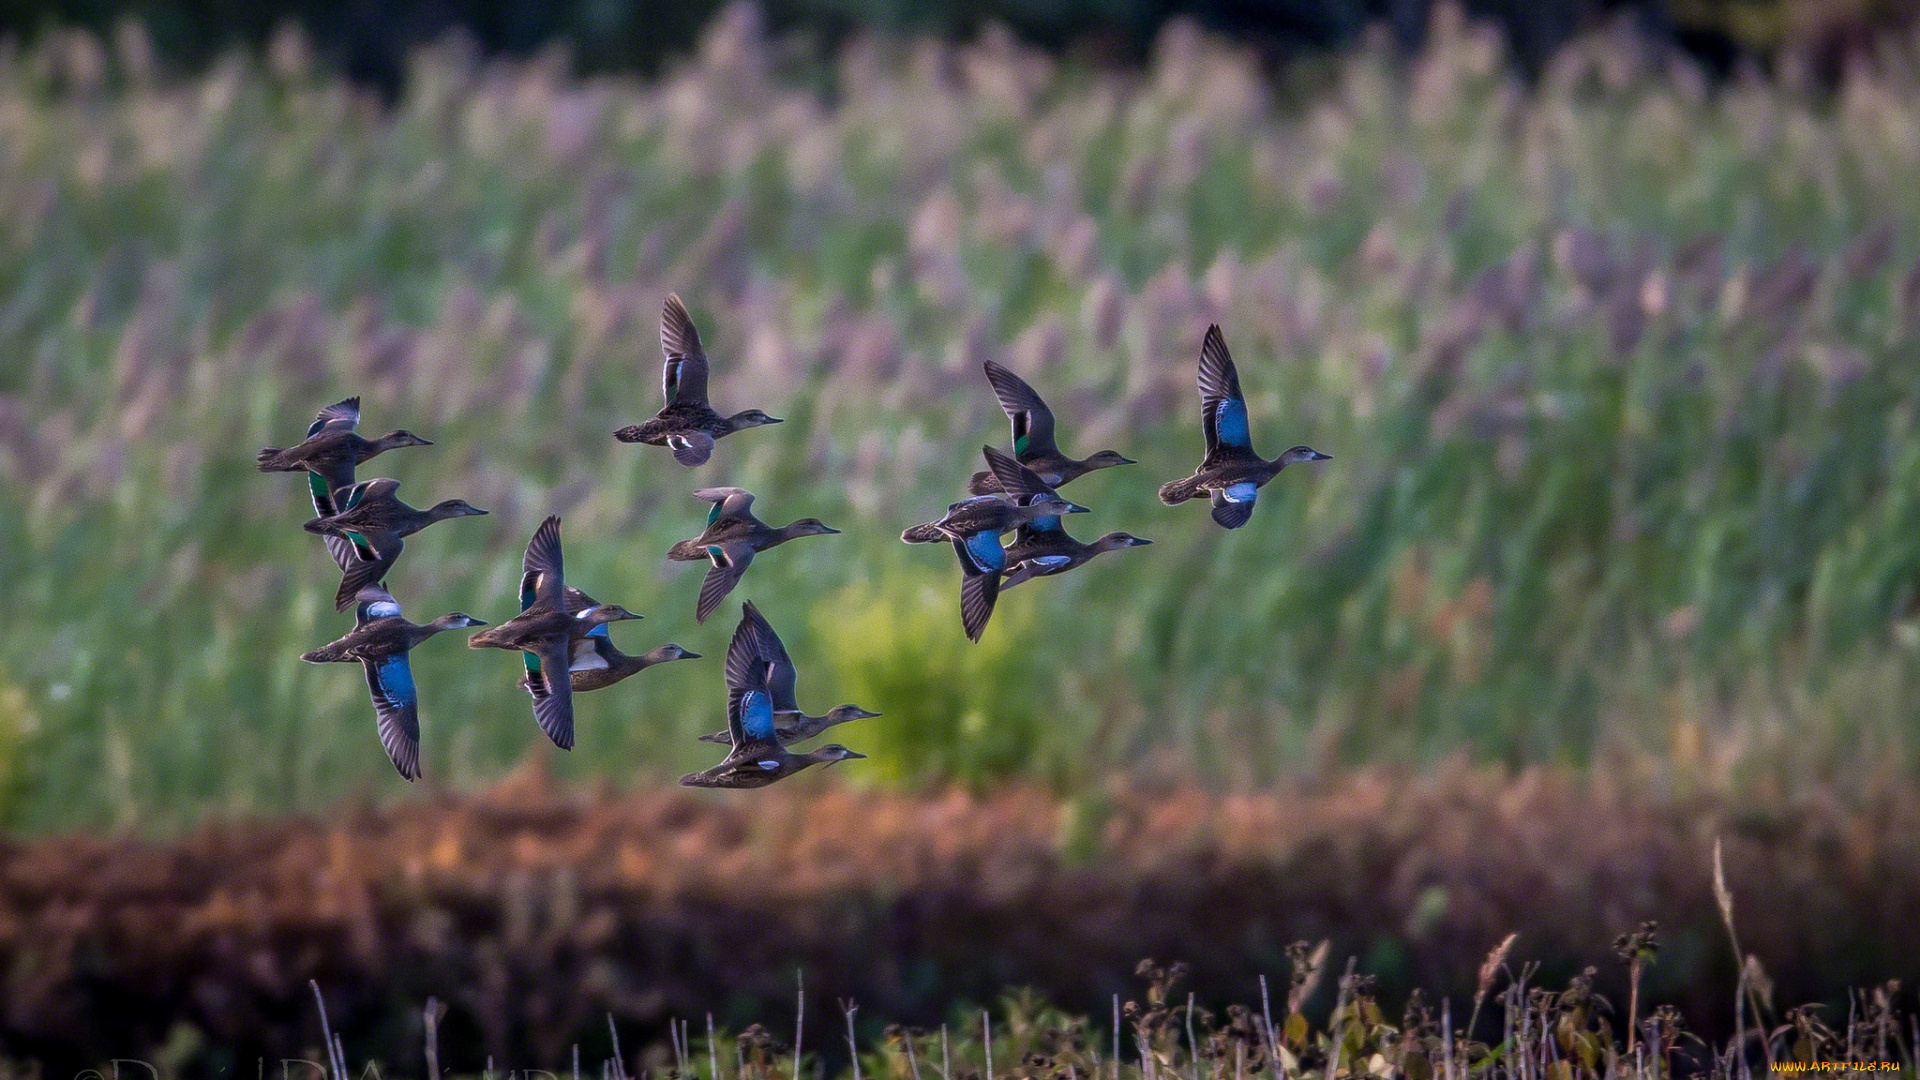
326,1030
1266,1019
713,1055
576,1061
946,1057
1193,1044
1116,1037
853,1047
431,1017
799,1018
619,1063
1446,1034
1633,1001
1339,1008
913,1064
986,1032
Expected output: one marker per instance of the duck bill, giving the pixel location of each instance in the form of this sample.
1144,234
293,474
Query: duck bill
1318,456
1076,508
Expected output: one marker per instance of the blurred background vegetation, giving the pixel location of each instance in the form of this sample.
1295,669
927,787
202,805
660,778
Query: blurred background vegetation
1619,367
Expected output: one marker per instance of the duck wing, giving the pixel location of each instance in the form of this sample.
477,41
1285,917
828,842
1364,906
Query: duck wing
691,448
1223,408
684,377
772,653
575,601
729,504
322,486
981,561
375,555
339,416
593,652
390,680
375,602
749,704
730,561
552,690
1032,420
1233,506
542,576
1044,531
1016,480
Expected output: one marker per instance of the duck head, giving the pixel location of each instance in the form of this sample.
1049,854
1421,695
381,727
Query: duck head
1107,459
1051,504
752,418
668,652
810,527
841,714
831,753
458,620
402,437
1296,454
1114,541
455,508
605,613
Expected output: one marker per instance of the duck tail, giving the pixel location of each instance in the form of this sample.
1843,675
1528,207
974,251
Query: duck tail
687,551
325,654
268,460
923,534
1175,492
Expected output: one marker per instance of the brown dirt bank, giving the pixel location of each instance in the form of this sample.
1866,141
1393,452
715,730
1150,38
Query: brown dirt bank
532,911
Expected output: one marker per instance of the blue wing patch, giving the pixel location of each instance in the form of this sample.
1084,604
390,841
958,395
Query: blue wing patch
1045,524
396,681
600,631
1230,423
756,715
1241,493
985,551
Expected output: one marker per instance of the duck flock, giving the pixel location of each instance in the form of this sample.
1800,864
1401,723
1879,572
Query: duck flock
563,634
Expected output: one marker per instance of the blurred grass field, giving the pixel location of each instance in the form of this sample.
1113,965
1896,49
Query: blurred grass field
1619,371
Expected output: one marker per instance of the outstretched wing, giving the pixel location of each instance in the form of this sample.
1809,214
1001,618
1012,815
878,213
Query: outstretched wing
390,679
728,502
1223,408
339,416
685,376
977,595
1044,530
1233,506
1032,420
542,573
552,691
1016,480
369,568
691,448
981,560
730,561
574,601
375,602
321,486
749,705
772,653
